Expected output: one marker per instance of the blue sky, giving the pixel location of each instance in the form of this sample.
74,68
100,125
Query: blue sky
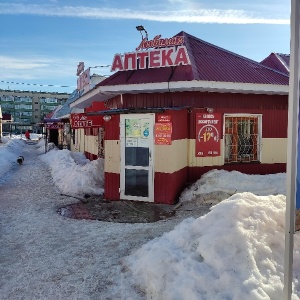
41,42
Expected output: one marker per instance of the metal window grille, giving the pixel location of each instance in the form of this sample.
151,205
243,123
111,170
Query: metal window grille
242,142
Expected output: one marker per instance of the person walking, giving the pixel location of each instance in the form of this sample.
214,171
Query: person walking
27,134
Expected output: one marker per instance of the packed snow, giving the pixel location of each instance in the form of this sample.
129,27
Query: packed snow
236,251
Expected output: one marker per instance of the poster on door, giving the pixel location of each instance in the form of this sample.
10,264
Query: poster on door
137,128
208,133
137,133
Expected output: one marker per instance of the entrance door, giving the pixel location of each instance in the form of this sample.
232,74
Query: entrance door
137,157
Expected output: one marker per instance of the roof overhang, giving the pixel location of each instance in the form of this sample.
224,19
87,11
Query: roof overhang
229,87
75,110
102,93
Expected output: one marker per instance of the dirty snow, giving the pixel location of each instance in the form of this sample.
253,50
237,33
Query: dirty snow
236,251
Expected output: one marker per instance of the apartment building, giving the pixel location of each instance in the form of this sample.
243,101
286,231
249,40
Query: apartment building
28,108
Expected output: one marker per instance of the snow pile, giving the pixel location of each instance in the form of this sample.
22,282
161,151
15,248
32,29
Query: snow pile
41,146
73,174
234,252
226,182
9,152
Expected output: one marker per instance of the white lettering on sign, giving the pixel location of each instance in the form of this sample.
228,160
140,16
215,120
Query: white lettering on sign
208,121
157,58
87,123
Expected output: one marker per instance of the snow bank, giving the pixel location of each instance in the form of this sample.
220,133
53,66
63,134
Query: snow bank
73,174
234,252
225,181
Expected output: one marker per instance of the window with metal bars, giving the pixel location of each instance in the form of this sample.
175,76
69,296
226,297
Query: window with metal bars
242,142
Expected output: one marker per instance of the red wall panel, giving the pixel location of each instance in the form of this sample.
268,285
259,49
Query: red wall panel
167,187
179,120
111,186
112,129
274,108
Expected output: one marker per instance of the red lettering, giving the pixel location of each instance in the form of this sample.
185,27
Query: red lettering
142,58
117,63
130,61
157,42
181,56
180,40
154,58
142,45
166,59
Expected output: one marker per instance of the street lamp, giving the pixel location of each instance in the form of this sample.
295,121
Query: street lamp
141,28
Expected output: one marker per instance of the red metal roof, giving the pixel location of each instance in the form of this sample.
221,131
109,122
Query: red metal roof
278,61
208,63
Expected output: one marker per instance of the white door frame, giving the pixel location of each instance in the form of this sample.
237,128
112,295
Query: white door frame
146,138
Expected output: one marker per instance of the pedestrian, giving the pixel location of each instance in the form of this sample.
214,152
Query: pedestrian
27,134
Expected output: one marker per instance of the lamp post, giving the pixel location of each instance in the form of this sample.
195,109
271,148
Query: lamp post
141,28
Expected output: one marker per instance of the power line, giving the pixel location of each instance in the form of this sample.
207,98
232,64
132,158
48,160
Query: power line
100,66
35,84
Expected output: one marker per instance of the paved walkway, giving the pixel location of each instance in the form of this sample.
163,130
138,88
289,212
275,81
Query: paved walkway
44,255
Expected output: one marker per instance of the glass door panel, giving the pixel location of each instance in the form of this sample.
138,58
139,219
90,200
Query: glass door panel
136,183
136,157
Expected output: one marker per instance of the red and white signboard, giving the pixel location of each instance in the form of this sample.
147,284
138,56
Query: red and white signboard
84,121
157,58
168,52
83,79
163,118
208,134
163,133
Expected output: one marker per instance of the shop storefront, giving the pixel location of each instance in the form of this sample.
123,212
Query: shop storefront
88,135
179,107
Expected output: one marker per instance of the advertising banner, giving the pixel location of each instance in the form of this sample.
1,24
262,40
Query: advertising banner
163,133
208,133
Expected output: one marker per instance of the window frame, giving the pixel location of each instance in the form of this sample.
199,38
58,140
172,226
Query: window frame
259,136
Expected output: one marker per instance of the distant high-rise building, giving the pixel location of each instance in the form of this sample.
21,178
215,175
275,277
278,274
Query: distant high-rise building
29,108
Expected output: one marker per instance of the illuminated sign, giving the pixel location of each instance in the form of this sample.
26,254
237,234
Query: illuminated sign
156,58
208,131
